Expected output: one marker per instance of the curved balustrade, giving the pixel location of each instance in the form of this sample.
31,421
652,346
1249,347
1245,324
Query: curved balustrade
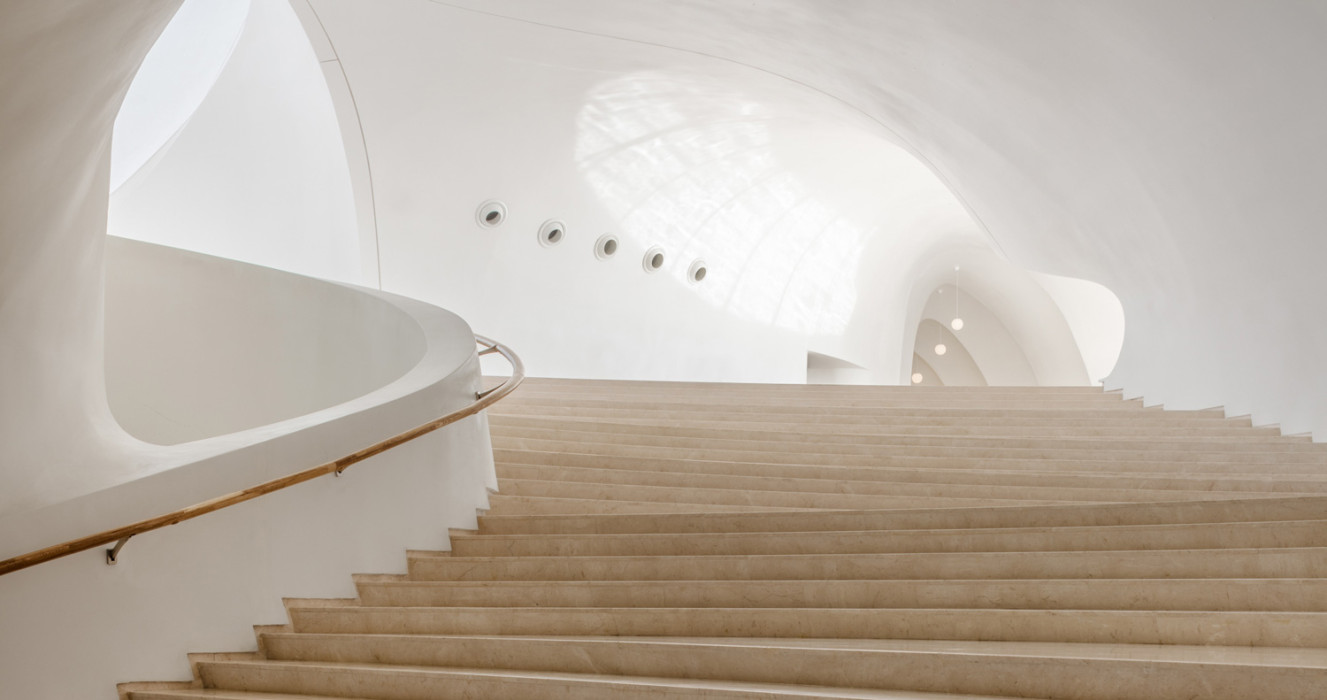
119,536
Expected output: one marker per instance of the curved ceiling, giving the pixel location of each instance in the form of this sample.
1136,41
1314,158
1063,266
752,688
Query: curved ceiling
1170,151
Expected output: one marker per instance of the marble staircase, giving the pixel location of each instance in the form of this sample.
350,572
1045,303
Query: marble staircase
677,540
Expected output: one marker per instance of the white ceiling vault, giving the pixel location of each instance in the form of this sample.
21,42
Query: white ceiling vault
832,161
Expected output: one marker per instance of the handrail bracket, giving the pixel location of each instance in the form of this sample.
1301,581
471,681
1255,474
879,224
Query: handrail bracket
113,554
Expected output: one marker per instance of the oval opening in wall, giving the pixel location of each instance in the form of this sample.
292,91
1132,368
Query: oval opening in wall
698,270
606,246
552,233
653,260
491,214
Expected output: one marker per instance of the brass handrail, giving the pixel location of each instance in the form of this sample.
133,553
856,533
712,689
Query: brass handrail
120,535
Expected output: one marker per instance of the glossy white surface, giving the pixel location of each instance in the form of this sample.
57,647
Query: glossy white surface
1169,151
259,172
175,76
814,224
234,347
138,619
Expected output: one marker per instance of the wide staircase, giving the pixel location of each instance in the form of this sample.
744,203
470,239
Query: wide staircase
669,540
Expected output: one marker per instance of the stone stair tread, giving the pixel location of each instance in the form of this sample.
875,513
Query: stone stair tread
715,541
1195,482
681,688
826,484
852,519
1309,595
1233,628
1170,653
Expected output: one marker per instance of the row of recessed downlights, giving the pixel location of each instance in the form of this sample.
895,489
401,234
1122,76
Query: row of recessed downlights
493,213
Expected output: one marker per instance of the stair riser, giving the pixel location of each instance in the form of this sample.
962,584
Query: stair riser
638,433
1266,437
1097,679
414,684
777,499
1208,536
841,479
533,505
1292,595
581,454
903,444
937,408
1223,563
863,401
1073,626
889,417
569,476
1244,510
841,455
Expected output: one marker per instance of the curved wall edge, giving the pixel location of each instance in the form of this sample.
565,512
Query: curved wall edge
138,619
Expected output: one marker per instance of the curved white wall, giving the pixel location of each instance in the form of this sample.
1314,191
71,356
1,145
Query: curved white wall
203,584
198,347
63,69
175,76
75,627
1172,152
806,214
258,173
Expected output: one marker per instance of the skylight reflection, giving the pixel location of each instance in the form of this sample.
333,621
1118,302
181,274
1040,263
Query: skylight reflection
686,162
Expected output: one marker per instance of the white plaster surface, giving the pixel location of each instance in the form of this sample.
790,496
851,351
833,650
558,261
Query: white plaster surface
259,172
1172,152
175,76
197,346
203,583
808,215
63,69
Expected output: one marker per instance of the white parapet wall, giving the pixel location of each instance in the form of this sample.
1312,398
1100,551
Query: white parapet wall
75,627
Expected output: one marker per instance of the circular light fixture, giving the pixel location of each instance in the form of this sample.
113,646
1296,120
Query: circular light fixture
917,378
605,247
491,214
940,349
956,324
552,233
696,273
653,260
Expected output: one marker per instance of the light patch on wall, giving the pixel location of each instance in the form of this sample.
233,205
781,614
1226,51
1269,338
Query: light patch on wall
692,165
173,80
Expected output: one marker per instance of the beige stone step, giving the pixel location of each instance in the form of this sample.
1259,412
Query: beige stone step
1085,409
842,485
1122,439
637,386
1095,672
214,694
744,497
941,458
1174,512
795,424
1257,483
540,505
1276,629
380,682
1290,562
1268,535
952,417
1288,595
845,398
611,443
